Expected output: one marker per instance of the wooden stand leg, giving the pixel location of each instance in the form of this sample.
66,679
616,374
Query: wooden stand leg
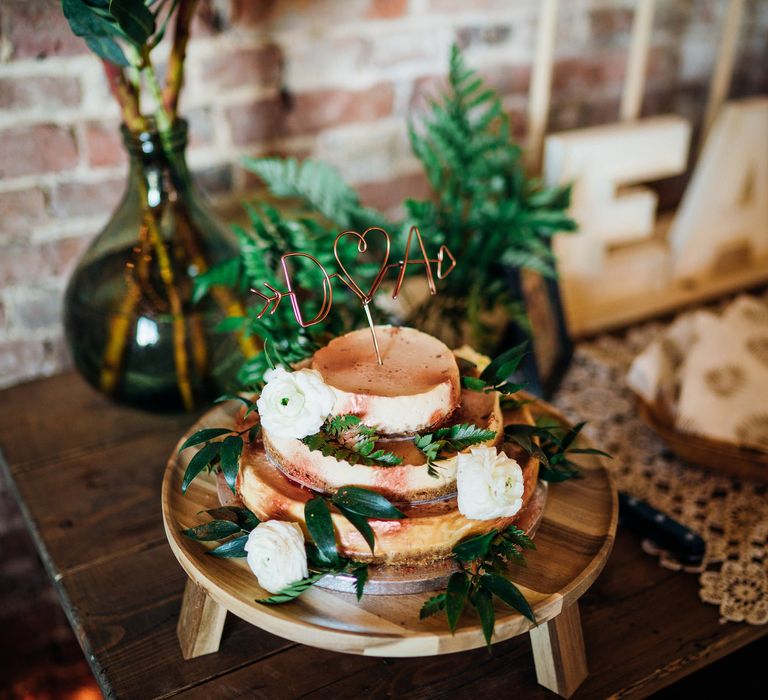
558,652
201,622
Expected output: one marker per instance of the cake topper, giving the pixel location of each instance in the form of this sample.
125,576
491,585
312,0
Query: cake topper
273,301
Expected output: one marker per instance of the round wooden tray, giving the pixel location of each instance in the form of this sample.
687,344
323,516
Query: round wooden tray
573,541
715,455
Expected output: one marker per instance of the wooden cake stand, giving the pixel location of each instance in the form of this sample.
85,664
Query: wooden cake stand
573,541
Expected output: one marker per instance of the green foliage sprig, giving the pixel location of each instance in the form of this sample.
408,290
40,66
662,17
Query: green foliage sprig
552,445
347,437
483,562
454,438
227,521
495,377
219,453
357,505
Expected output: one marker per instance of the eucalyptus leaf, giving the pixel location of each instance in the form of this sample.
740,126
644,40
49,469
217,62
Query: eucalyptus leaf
203,436
483,603
474,547
317,515
367,503
234,548
214,530
473,383
456,597
108,49
231,449
509,593
360,523
199,462
135,19
242,516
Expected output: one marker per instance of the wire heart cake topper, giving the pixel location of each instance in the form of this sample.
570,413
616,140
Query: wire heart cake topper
272,301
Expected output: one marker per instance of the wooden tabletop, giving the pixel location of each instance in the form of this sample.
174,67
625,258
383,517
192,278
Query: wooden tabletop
87,475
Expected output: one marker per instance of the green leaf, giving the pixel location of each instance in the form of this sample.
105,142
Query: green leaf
473,383
203,436
432,606
231,449
519,537
293,591
234,397
214,530
108,49
483,603
505,364
474,547
199,462
509,593
135,19
367,503
330,447
360,523
242,516
320,525
234,548
456,597
361,576
225,274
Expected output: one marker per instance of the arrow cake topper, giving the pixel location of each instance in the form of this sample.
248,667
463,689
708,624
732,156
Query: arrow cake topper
272,301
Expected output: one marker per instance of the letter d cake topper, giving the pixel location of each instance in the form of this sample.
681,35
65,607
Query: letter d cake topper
444,256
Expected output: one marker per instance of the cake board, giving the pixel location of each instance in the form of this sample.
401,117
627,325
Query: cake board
573,541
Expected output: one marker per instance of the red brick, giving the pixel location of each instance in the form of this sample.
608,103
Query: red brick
260,66
22,262
104,144
37,29
483,35
72,199
251,11
390,194
307,113
40,92
21,210
606,23
387,9
585,75
36,149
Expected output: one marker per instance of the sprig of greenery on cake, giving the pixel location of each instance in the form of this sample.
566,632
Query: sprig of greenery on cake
483,575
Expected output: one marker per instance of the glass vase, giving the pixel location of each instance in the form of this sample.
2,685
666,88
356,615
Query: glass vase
131,326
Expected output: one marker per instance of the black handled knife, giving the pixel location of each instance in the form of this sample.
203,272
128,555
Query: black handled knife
665,532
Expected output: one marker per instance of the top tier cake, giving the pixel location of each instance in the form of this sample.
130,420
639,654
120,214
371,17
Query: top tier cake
417,386
414,394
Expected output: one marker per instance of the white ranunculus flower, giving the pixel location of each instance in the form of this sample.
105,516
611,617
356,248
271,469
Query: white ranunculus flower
490,484
276,554
294,404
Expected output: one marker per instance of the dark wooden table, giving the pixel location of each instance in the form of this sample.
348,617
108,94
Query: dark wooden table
87,476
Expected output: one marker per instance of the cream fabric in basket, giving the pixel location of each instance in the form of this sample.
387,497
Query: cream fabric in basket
712,371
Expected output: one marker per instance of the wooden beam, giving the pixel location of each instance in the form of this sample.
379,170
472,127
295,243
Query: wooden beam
634,83
726,52
541,84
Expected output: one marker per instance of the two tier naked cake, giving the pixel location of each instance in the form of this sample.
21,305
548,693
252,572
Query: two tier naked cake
415,392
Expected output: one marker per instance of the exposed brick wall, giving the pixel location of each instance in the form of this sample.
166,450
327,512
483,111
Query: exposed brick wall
335,79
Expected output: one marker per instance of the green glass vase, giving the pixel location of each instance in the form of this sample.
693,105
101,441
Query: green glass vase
130,323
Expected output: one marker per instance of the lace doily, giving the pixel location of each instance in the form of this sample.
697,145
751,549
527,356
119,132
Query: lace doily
731,516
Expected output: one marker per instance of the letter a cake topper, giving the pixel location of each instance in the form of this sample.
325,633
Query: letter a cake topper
444,256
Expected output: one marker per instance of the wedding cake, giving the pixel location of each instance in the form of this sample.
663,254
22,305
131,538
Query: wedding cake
408,429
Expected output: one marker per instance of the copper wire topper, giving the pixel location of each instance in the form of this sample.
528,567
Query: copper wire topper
276,297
